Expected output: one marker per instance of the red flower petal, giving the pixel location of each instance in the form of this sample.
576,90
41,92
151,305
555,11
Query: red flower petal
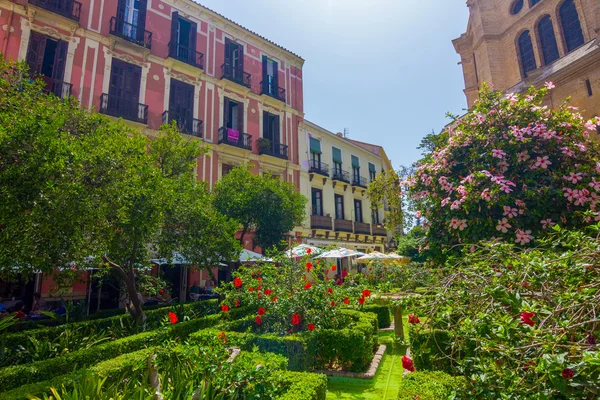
261,311
310,327
224,308
173,317
258,320
295,319
237,282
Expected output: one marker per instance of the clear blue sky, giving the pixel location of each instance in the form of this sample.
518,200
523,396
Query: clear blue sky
384,69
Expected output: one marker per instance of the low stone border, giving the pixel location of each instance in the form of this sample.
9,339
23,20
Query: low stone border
370,374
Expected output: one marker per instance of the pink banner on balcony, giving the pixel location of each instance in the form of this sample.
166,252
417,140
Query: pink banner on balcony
233,135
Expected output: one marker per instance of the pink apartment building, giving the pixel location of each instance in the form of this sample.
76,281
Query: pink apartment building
155,61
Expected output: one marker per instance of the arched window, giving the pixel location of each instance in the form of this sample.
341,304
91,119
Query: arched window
516,7
526,55
533,2
547,40
571,27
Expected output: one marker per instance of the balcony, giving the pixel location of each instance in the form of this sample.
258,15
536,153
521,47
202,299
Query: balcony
235,138
130,32
272,149
275,92
236,74
189,126
341,175
186,54
124,108
379,230
343,225
67,8
320,222
58,88
360,181
362,228
317,167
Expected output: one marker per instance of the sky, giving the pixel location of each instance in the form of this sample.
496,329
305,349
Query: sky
384,69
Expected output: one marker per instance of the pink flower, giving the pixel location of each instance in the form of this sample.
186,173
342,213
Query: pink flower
550,85
510,212
485,195
498,153
520,203
460,224
595,184
523,237
573,177
455,205
568,193
547,223
590,125
567,151
503,225
542,162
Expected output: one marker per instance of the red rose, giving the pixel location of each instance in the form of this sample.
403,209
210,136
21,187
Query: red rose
173,317
267,291
258,320
361,300
366,293
333,304
413,319
346,300
333,267
274,299
295,319
310,327
568,373
237,282
526,318
408,364
308,251
261,311
308,286
330,291
308,266
224,308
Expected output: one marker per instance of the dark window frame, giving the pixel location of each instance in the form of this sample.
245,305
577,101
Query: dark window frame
339,201
570,26
547,40
317,202
358,211
525,53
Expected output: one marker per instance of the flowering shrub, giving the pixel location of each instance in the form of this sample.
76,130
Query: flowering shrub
290,296
517,322
509,169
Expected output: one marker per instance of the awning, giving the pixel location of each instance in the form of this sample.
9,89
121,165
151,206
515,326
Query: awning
337,155
355,162
315,146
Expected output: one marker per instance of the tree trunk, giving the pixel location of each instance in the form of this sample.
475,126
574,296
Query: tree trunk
135,305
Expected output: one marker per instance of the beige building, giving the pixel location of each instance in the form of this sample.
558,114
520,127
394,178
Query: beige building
515,44
335,173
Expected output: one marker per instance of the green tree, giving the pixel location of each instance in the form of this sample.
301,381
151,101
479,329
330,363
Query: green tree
77,187
265,204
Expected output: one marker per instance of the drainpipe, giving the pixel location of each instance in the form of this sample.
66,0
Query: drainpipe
8,27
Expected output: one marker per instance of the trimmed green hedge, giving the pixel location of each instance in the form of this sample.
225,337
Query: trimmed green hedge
383,313
431,385
304,386
430,350
15,376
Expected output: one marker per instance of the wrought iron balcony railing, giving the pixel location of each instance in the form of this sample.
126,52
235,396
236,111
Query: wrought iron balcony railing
272,149
341,175
124,108
320,222
59,88
379,230
317,167
359,181
270,89
130,32
187,125
362,228
235,138
343,225
235,74
67,8
186,54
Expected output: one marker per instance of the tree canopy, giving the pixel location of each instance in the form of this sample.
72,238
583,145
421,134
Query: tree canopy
265,204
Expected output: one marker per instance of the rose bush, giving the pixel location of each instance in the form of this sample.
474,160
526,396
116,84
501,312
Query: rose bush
509,169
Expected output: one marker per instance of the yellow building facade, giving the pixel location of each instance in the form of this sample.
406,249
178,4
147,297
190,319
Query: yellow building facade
515,44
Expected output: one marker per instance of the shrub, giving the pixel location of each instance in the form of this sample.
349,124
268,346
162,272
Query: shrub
428,385
303,386
384,319
433,350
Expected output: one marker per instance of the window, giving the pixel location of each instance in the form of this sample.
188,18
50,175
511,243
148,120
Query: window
181,105
317,202
533,2
372,172
375,216
47,57
355,169
234,61
271,128
315,153
516,7
339,206
547,40
234,115
131,19
588,86
270,78
571,27
526,55
337,160
225,169
124,92
358,217
183,40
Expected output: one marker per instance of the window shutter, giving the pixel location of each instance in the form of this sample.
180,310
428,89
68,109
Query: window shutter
266,121
241,69
226,113
35,54
276,76
142,19
315,146
355,162
60,59
193,38
264,69
337,155
276,135
372,168
121,10
174,31
227,52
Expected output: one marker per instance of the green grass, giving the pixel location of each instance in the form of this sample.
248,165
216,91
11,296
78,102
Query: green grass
386,383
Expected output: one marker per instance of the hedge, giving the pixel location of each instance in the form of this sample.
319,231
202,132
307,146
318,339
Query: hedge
384,317
304,386
15,376
431,385
433,350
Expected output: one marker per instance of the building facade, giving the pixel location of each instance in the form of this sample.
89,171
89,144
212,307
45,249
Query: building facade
334,176
515,44
153,61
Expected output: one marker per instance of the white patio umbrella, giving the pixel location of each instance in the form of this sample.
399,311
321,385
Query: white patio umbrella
250,256
302,250
372,257
341,253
